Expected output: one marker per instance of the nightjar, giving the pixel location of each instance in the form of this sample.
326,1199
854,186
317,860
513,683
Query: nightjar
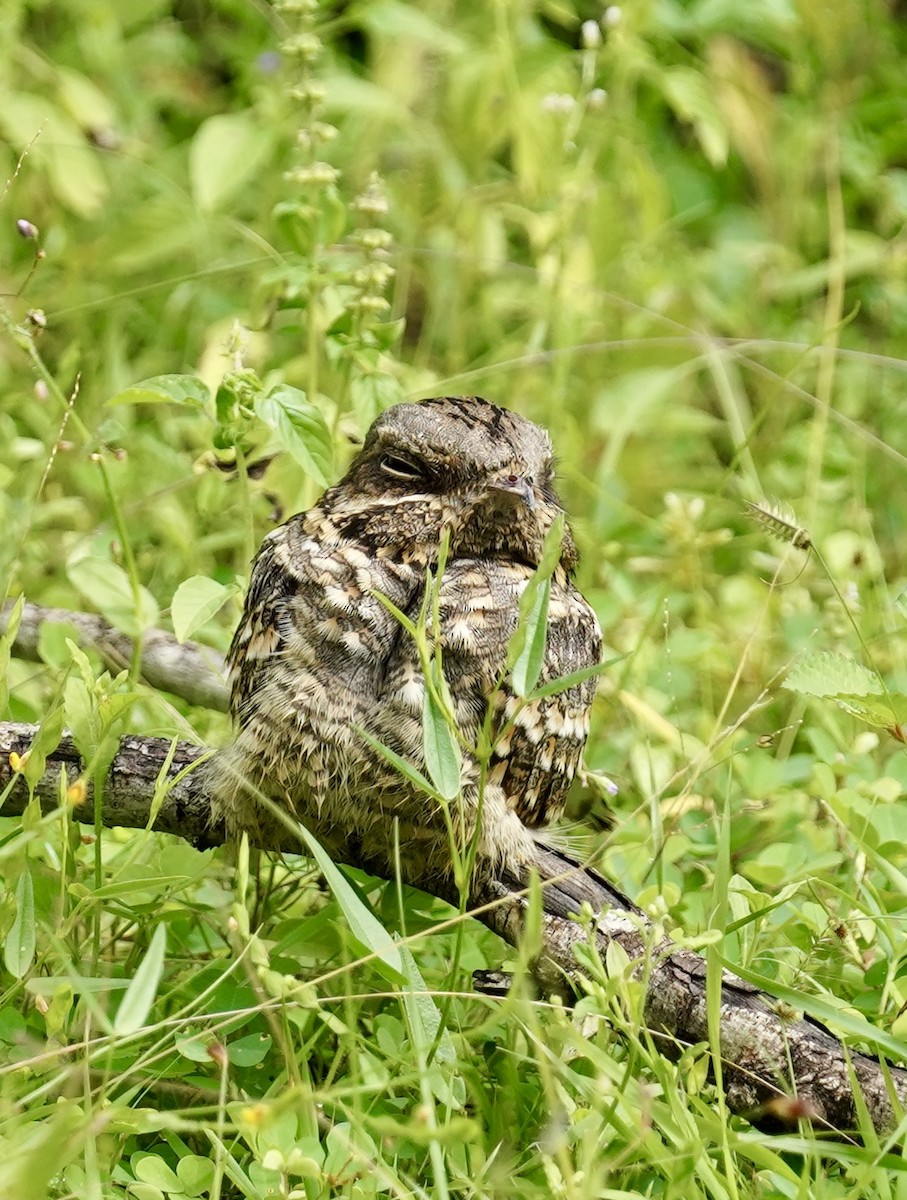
318,658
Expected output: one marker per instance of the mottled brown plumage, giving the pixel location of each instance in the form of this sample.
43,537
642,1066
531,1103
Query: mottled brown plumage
317,657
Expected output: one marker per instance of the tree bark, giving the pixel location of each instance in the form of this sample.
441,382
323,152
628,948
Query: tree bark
775,1069
186,669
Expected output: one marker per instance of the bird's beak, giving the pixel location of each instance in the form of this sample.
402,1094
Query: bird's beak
515,487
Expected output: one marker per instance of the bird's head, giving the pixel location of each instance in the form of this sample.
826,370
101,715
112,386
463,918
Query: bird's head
457,463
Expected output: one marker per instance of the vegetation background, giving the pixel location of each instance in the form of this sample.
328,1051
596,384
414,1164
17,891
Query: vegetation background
671,231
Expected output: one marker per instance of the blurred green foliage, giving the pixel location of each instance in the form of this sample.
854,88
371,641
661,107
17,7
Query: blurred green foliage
673,233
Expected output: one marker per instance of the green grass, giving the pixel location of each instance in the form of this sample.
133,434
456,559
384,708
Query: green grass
682,250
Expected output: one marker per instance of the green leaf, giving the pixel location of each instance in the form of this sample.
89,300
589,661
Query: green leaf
166,389
48,985
424,1019
107,588
152,1169
692,98
824,673
6,645
884,713
442,754
53,639
250,1050
136,1003
145,1191
142,880
195,1173
19,947
363,923
194,1046
57,146
563,682
84,100
301,428
529,662
196,601
44,743
373,393
226,153
526,651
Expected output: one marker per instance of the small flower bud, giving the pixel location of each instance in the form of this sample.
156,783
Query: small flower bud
37,318
217,1052
613,16
305,46
310,92
75,793
598,98
26,229
591,35
319,174
373,240
558,102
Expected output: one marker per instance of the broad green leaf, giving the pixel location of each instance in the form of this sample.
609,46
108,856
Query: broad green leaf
19,947
136,1003
152,1169
824,673
57,146
196,1174
166,389
529,662
373,393
301,428
424,1019
6,644
527,645
250,1050
422,1012
227,151
442,754
105,585
53,639
196,601
363,923
194,1046
884,712
89,107
692,97
44,743
145,1191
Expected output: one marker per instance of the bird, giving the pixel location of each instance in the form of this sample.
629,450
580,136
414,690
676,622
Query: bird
326,680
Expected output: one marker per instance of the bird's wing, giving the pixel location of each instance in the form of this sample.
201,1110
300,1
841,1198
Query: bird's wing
539,743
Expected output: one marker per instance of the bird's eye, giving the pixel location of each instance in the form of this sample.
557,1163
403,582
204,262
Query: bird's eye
400,468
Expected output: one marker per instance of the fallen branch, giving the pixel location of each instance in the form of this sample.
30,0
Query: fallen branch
773,1066
185,669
